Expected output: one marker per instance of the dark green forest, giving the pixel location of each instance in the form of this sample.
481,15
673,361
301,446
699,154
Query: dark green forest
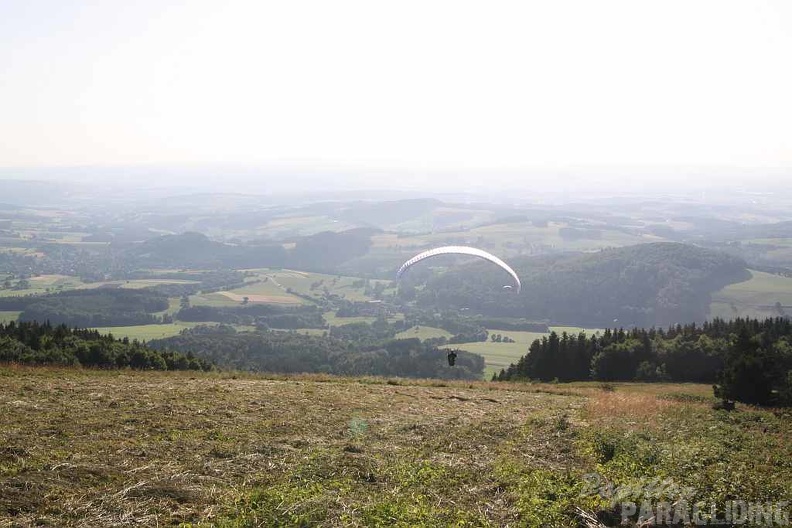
261,315
34,343
293,352
91,307
643,285
749,360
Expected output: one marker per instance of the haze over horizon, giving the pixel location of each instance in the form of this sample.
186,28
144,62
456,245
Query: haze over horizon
420,94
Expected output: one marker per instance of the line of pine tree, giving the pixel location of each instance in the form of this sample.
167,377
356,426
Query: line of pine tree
44,344
750,360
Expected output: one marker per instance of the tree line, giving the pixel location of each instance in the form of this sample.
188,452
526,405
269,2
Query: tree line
748,360
91,307
35,343
291,352
262,315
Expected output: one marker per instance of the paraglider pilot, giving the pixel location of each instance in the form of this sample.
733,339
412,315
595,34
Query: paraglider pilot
451,358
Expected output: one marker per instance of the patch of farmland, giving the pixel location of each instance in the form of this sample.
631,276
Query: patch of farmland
760,296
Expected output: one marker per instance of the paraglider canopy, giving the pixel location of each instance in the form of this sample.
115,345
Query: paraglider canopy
462,250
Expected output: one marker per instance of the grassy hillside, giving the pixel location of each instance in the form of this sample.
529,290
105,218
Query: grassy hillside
94,448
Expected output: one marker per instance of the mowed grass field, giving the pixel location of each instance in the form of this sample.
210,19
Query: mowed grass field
123,448
146,332
755,297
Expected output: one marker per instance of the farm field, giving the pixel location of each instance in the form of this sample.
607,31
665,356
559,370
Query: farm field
756,297
423,332
146,332
271,285
87,448
46,284
55,283
140,283
505,237
8,316
334,320
292,226
498,356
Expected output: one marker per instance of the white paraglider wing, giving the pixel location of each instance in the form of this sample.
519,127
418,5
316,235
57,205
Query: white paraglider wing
461,250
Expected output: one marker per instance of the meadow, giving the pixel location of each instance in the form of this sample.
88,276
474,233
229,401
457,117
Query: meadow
499,356
8,316
755,297
85,448
146,332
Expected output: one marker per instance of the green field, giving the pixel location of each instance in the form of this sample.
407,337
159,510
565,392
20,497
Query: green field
7,317
160,331
146,332
499,356
46,284
83,448
140,283
334,320
297,226
423,332
756,297
212,299
54,283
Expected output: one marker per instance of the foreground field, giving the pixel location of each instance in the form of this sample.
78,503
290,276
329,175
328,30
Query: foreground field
84,448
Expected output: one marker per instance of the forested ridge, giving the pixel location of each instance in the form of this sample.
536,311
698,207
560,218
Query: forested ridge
36,343
262,315
643,285
749,359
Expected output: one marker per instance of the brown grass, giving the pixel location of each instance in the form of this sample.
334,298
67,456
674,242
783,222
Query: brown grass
628,406
98,448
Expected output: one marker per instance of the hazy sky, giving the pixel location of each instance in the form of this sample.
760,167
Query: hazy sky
408,84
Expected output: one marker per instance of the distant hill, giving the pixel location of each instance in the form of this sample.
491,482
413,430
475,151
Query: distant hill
641,285
26,193
320,252
384,214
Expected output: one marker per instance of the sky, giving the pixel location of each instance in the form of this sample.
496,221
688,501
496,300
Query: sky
413,86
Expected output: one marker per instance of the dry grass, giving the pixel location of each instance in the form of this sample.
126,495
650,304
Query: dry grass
94,448
631,407
85,448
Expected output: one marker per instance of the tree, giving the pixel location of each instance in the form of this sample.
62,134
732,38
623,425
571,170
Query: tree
746,372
